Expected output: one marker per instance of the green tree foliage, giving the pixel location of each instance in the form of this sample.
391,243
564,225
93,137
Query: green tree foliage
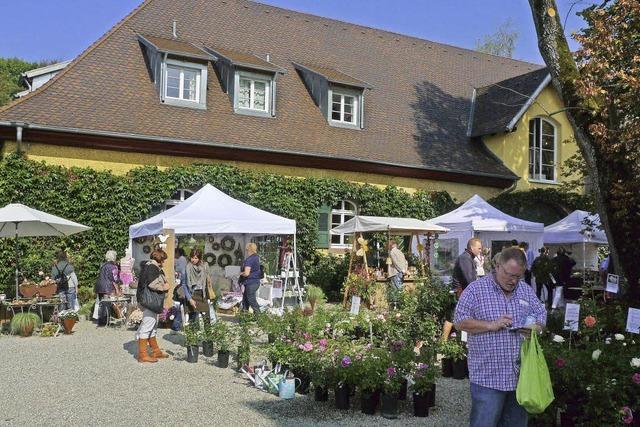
110,204
10,70
501,43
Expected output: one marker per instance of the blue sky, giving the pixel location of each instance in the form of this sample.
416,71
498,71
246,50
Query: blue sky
62,29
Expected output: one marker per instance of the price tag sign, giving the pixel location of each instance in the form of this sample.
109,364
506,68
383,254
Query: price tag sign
355,304
572,317
633,320
612,283
436,245
463,336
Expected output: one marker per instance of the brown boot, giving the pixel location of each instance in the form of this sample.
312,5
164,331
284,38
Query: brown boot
143,356
157,353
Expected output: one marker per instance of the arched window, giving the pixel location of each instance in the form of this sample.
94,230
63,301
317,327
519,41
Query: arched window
342,212
542,150
178,197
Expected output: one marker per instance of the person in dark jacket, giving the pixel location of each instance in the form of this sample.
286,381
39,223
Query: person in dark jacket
542,269
250,275
152,277
464,271
563,266
108,282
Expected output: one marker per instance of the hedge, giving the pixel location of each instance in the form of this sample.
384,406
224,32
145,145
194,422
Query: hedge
110,203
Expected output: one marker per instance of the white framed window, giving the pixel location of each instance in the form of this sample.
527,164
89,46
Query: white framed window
344,108
542,150
184,84
253,94
342,212
178,197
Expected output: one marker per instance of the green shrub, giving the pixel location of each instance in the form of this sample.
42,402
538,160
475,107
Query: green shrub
21,323
86,295
328,272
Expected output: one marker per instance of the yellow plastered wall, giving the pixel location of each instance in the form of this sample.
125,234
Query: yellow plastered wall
121,162
513,148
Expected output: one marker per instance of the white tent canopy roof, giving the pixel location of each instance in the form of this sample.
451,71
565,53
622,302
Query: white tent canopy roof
572,229
210,211
478,215
32,222
398,226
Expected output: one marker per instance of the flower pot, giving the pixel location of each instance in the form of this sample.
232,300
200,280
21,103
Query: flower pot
223,359
28,291
47,291
27,330
192,353
369,402
207,348
389,406
431,395
402,393
447,368
321,394
305,383
421,404
460,369
68,324
342,396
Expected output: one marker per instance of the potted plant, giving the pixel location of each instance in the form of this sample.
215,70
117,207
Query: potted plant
451,350
28,289
315,295
68,318
344,378
49,329
207,340
191,340
424,388
244,345
221,333
47,288
25,323
321,370
392,384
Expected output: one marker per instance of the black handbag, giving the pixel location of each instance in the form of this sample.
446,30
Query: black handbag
147,297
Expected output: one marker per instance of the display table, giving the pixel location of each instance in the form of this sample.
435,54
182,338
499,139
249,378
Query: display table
119,304
30,305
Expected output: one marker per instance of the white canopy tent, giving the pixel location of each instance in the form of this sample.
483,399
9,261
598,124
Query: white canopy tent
477,218
397,226
580,233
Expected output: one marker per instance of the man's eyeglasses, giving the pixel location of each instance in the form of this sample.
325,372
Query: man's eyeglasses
511,276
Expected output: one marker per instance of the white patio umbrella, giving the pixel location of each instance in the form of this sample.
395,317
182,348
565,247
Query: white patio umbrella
17,220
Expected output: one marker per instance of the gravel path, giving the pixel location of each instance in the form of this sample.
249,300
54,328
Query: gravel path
92,377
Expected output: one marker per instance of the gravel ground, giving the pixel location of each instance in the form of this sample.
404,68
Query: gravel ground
92,377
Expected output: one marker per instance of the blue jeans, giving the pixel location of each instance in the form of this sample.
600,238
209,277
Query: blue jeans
249,298
495,408
396,280
67,299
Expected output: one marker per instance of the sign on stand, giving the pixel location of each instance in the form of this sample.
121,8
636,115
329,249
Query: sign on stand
571,317
355,304
633,320
612,283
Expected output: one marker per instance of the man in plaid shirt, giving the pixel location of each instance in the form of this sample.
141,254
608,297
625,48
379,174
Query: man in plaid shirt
487,310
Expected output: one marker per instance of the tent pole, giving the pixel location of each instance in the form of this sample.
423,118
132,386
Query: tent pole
17,261
295,270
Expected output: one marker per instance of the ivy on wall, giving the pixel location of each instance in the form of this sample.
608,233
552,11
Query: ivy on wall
110,204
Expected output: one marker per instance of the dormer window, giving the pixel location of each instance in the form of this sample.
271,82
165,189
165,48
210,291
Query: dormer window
339,96
254,92
178,70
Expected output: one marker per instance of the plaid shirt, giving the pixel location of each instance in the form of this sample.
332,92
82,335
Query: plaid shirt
494,357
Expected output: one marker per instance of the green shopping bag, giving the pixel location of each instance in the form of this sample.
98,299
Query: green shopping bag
534,391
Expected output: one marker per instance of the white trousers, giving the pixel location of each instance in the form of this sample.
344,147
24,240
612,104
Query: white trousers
148,326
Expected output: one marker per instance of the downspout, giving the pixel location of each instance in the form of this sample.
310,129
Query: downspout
163,69
18,139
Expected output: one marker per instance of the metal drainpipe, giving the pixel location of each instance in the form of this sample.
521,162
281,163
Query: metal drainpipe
18,139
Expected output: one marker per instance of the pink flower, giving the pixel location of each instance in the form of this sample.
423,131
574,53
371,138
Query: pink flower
589,321
323,342
300,346
391,372
627,415
358,356
307,336
307,346
636,378
560,363
322,349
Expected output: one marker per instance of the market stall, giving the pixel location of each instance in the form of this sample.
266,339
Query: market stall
228,224
580,233
477,218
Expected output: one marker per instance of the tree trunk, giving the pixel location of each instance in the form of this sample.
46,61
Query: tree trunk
564,73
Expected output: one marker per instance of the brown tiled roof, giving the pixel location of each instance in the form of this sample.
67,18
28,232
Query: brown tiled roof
176,47
416,116
496,105
334,76
244,59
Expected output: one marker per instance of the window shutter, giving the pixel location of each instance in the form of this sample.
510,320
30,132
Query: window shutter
324,224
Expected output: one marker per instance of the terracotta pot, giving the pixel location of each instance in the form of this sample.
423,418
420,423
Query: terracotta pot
26,331
47,291
28,291
68,324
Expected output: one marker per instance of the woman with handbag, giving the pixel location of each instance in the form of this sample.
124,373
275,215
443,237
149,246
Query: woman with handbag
152,287
196,286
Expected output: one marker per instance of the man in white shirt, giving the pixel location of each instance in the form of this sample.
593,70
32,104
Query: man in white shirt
397,265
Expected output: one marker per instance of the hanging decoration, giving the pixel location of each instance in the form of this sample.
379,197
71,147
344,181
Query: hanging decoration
228,243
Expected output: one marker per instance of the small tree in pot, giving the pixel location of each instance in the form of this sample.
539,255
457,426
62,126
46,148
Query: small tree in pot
192,337
424,388
221,334
315,295
452,351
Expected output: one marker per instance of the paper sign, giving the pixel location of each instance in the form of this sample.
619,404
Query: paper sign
633,320
355,304
463,336
612,283
571,317
276,291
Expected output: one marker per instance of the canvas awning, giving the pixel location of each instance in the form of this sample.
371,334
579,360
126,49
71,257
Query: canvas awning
577,227
396,226
210,211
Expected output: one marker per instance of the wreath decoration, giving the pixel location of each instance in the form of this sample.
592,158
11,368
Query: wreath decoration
228,243
224,260
212,239
210,258
140,239
146,249
215,246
